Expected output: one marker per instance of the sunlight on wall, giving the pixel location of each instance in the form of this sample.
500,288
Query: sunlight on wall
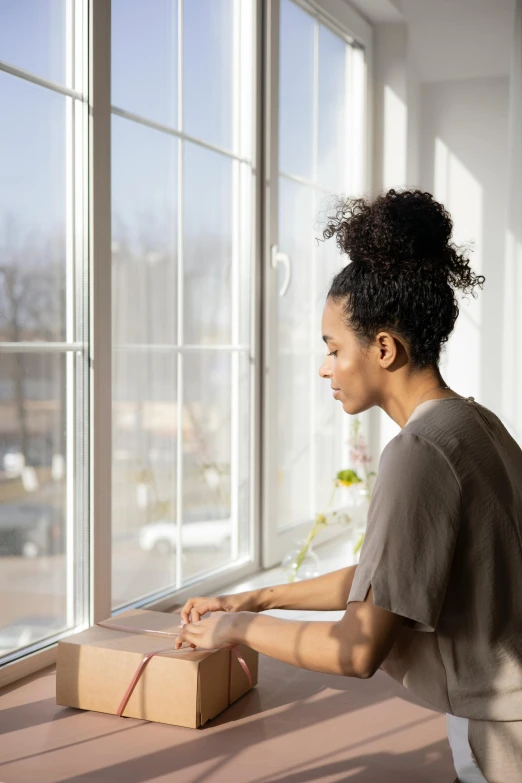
394,175
356,86
462,195
512,323
512,285
395,140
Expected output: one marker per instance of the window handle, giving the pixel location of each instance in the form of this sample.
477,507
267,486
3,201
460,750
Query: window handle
281,258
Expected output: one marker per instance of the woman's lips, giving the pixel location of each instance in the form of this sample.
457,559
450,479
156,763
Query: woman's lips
336,393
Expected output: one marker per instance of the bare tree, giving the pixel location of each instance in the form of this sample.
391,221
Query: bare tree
32,303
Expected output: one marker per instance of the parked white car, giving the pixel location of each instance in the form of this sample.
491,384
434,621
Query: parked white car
161,537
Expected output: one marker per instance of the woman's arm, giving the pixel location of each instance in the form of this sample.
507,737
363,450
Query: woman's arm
354,646
322,594
328,592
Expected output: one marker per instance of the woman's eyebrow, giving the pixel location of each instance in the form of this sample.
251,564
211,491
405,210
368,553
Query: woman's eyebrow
327,338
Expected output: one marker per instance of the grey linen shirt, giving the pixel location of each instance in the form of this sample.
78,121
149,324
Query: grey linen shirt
443,548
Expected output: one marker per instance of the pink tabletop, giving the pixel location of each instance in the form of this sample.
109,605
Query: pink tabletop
296,726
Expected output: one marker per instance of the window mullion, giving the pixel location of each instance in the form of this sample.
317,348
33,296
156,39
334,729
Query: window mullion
237,110
313,336
270,186
79,329
100,364
72,521
180,363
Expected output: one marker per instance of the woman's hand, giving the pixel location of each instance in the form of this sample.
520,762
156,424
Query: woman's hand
217,631
238,602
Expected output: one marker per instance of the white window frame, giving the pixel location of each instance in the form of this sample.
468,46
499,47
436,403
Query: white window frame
75,347
264,81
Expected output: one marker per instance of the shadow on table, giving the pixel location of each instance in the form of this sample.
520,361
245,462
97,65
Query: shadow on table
231,745
422,765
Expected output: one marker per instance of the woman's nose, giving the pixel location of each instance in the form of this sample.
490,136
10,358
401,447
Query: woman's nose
324,371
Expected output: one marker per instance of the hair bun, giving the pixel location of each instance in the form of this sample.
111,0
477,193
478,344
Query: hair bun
403,231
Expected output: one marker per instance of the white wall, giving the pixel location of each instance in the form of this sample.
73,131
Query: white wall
463,162
396,100
413,99
454,136
390,102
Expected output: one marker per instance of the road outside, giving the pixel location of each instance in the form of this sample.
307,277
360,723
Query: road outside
33,574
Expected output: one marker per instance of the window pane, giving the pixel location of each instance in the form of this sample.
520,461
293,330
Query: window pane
296,91
328,262
328,413
144,192
296,217
207,220
246,259
293,475
215,224
332,130
32,212
144,472
244,467
312,145
207,528
295,312
207,70
144,234
43,399
32,36
33,499
145,58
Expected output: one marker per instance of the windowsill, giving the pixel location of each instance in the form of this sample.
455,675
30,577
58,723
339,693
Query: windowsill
332,555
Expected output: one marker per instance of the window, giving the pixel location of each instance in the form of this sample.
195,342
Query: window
130,465
182,179
43,323
320,110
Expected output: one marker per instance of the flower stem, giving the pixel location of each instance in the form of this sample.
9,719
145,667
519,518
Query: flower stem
320,521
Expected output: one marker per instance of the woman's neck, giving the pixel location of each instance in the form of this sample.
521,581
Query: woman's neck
402,401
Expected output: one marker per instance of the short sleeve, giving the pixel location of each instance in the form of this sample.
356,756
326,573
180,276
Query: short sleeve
413,523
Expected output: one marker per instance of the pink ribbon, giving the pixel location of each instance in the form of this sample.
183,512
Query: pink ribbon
147,658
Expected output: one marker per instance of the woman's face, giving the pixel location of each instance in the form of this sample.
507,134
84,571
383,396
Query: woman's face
351,370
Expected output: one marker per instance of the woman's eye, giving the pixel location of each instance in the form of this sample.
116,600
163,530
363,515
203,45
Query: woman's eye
333,353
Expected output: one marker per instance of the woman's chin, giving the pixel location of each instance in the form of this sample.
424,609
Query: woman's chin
351,408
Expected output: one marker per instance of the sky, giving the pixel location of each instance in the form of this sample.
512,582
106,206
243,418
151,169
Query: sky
144,81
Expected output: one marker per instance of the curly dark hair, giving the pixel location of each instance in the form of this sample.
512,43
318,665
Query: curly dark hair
404,270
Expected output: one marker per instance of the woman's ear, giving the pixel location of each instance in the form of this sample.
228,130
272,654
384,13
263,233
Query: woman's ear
387,348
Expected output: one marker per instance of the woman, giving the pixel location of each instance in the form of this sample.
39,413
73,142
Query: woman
436,599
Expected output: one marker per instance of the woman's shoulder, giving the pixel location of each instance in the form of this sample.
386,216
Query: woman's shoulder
414,450
447,423
470,436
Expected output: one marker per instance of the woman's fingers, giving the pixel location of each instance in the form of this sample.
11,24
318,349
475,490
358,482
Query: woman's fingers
185,612
193,609
187,634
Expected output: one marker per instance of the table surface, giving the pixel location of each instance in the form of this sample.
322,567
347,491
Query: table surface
296,726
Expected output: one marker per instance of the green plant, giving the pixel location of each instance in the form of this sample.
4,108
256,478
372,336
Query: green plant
361,460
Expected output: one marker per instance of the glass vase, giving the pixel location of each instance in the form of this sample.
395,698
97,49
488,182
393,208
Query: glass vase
309,567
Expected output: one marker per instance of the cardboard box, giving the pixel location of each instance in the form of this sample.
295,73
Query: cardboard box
186,688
